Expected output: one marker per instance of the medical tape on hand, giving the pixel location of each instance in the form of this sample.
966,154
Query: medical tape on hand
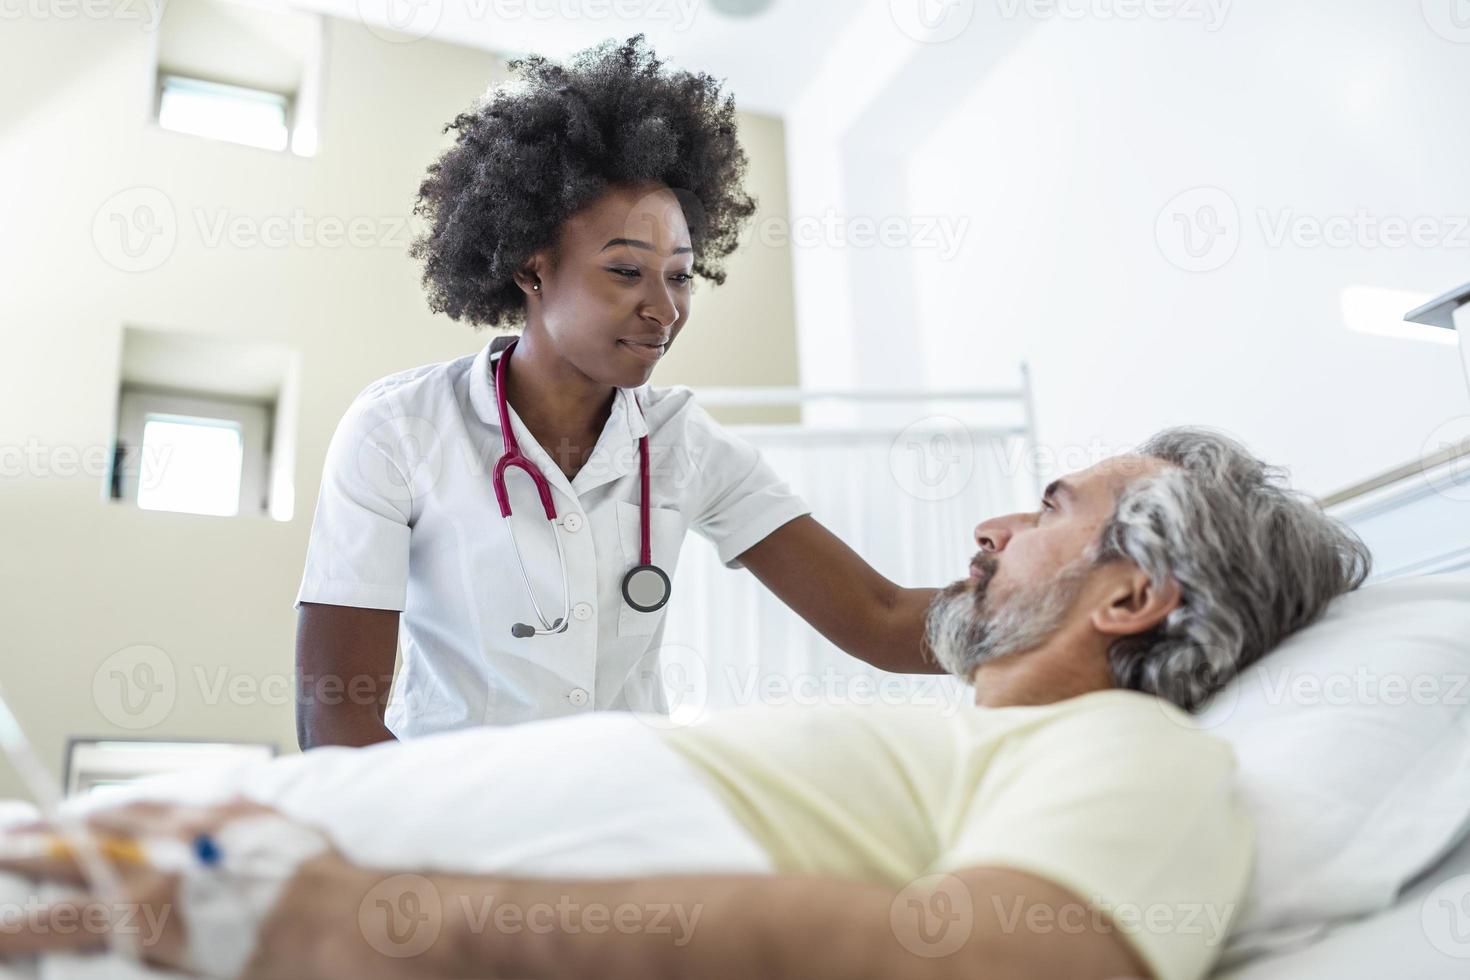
223,903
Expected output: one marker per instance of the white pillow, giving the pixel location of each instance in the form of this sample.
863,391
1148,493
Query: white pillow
1353,739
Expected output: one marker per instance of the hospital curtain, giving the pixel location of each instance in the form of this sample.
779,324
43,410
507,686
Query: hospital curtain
729,642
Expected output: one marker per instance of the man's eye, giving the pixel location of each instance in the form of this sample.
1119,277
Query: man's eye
1047,504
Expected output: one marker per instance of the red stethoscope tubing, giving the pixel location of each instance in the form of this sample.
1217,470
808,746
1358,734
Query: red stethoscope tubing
514,457
646,587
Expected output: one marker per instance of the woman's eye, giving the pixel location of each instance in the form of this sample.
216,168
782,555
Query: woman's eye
634,273
1047,505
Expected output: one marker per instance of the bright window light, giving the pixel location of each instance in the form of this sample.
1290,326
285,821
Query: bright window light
224,112
1380,312
191,465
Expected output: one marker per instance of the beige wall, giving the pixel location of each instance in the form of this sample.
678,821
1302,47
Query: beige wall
82,578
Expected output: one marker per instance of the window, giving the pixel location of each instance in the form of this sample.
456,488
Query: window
205,425
225,112
247,73
192,452
198,465
1380,312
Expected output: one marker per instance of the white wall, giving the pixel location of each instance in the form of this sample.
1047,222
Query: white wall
1060,138
84,581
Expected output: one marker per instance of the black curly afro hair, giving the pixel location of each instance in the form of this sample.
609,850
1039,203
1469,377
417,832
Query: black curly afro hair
536,151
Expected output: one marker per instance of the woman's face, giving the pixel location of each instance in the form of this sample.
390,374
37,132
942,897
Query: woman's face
616,292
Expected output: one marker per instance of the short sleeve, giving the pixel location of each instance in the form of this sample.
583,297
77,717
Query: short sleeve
740,498
1131,809
359,546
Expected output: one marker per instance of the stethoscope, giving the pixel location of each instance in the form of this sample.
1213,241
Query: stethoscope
646,587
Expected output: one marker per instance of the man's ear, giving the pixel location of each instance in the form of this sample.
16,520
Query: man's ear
1133,604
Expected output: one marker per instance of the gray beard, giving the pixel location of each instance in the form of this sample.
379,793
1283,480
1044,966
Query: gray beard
964,631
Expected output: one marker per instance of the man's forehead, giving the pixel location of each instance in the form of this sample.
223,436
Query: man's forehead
1108,477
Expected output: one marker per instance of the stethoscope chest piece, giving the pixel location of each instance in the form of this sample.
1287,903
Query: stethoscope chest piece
646,588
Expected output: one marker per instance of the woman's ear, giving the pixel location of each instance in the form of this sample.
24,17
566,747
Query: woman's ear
528,276
1134,603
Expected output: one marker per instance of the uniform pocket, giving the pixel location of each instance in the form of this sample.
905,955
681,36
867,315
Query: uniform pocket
666,536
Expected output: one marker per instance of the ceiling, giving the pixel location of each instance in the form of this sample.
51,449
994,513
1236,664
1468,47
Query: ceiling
766,59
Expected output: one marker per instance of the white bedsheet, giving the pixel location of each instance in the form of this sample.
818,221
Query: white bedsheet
1425,935
489,800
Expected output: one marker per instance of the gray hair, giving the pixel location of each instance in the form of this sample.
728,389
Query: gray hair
1254,561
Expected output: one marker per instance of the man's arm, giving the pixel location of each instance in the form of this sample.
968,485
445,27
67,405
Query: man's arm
335,919
980,924
830,586
344,672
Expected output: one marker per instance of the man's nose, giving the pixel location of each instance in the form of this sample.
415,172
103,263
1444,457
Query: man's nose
992,535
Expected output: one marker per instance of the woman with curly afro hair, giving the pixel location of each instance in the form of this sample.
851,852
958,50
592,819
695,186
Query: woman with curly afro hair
519,512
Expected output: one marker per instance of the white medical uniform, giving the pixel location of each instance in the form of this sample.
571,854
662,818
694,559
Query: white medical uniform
407,520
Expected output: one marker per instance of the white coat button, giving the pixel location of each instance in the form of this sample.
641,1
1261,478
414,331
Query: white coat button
582,611
572,522
578,697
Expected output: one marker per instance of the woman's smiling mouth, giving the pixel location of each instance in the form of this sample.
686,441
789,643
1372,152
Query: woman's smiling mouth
644,351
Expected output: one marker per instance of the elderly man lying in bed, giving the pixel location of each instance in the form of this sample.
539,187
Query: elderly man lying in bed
1073,823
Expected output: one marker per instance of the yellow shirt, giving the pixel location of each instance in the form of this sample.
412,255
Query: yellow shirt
1115,796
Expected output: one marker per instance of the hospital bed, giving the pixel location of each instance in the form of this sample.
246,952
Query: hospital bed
1360,791
1424,935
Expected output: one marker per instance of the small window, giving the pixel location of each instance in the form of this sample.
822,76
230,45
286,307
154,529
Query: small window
198,465
205,425
247,73
225,112
192,452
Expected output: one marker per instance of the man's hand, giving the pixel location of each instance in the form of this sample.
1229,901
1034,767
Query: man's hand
313,931
335,920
